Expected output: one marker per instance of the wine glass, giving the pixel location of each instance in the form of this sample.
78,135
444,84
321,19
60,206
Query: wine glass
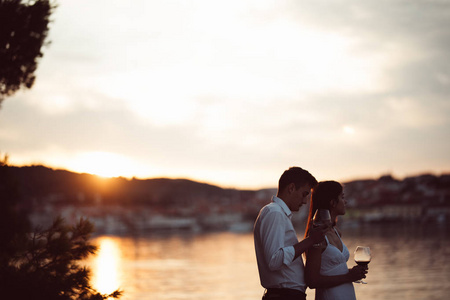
321,217
362,257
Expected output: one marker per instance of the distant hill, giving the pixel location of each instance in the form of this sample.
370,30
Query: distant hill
39,185
46,192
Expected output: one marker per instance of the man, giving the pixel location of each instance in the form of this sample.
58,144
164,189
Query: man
278,250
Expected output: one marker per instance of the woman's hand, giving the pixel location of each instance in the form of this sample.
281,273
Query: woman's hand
358,272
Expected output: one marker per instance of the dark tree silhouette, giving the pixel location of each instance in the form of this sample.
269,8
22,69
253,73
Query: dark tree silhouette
14,224
43,264
24,27
48,267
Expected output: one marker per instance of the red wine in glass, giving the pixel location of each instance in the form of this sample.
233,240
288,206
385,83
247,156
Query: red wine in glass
362,257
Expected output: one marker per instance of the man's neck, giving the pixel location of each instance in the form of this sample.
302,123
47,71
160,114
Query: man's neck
283,197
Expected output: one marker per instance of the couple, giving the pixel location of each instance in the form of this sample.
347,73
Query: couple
278,250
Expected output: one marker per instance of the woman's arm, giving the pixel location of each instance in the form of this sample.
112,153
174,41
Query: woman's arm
314,279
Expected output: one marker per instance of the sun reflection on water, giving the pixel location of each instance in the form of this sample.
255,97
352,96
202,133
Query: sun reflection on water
106,266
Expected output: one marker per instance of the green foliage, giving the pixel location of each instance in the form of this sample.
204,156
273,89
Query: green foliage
24,27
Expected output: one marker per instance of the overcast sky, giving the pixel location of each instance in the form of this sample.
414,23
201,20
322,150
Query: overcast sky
234,92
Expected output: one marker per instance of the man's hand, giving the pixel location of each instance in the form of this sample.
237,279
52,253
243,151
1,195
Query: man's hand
317,234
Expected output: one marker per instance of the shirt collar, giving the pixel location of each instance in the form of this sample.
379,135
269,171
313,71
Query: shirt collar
283,206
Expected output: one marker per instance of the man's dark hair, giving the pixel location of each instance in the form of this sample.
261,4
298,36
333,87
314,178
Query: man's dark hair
298,176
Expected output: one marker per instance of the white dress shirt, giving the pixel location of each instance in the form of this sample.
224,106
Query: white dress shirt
275,237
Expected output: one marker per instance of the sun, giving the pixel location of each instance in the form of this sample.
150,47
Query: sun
104,164
348,130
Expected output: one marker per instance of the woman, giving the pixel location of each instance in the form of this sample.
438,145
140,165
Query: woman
326,263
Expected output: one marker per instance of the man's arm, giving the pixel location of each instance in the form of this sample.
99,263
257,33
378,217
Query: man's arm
302,246
271,233
316,235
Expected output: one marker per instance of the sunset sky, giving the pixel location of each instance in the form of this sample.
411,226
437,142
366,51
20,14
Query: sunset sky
234,92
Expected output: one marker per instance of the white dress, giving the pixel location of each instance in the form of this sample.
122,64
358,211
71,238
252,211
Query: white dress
334,262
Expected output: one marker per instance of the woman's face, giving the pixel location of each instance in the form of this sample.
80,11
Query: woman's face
340,204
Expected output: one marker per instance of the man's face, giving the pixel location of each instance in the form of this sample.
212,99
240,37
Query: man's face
299,197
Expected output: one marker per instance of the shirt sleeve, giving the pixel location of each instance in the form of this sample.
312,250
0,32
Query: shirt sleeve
289,254
273,232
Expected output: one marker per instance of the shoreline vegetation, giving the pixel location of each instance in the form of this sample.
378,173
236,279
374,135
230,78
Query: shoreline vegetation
134,206
45,259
